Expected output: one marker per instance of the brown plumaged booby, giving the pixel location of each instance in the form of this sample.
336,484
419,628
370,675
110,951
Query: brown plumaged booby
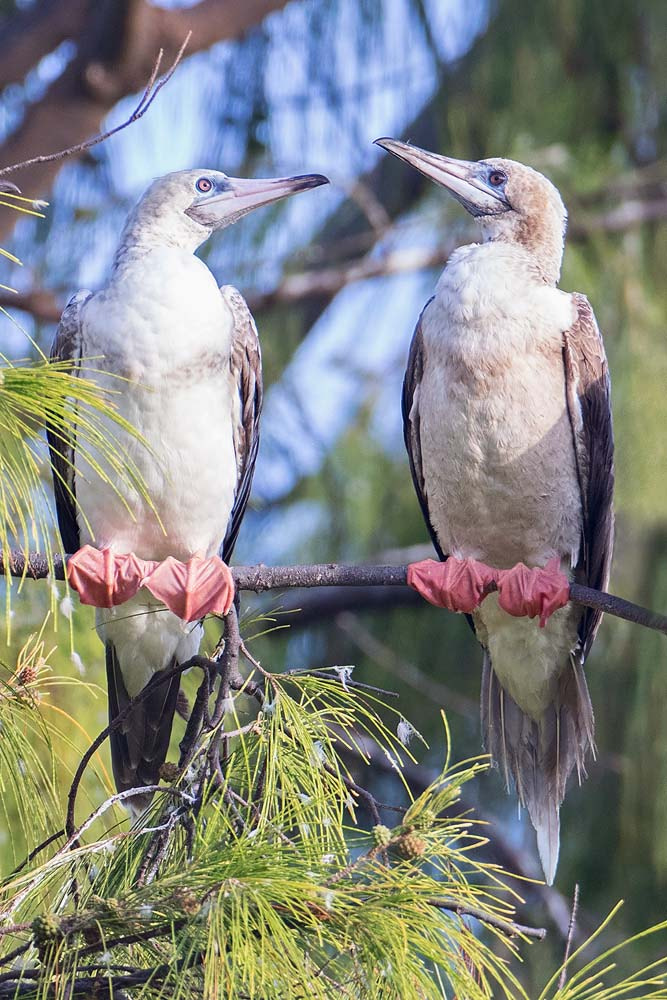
507,424
181,359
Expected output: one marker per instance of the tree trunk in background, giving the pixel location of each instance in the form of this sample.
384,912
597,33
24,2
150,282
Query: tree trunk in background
117,44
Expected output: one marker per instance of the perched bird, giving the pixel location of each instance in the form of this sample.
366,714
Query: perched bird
508,428
182,359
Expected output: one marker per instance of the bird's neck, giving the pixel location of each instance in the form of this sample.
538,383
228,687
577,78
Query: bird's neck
142,235
537,242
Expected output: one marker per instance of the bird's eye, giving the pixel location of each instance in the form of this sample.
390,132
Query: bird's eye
497,178
204,185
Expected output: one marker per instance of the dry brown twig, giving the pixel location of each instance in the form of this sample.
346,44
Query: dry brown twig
152,89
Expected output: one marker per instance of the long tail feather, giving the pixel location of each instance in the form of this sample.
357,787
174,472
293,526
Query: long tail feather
139,745
539,755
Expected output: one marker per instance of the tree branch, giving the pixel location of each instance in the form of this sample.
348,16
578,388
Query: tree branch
28,35
261,578
507,927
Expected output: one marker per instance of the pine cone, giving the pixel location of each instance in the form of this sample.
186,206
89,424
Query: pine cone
169,771
45,931
26,675
411,846
187,900
382,836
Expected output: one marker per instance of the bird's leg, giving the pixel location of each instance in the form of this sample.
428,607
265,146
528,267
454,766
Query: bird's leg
191,590
540,591
455,584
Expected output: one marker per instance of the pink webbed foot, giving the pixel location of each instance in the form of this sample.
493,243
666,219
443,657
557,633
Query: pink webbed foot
456,584
540,591
191,590
104,579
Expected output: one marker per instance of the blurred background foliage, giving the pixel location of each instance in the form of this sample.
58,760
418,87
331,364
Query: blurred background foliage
576,88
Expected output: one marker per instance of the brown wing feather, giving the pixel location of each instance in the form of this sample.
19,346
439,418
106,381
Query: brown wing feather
246,366
589,407
411,431
67,348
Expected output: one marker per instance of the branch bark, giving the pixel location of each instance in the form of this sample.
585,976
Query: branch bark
261,578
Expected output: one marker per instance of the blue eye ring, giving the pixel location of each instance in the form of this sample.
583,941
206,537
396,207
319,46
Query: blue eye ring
204,185
497,178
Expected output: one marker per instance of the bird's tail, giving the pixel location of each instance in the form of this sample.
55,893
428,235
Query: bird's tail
139,745
538,757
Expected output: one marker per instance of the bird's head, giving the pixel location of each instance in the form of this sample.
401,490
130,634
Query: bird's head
182,209
512,202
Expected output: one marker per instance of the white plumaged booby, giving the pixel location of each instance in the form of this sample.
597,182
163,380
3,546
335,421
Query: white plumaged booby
182,359
507,424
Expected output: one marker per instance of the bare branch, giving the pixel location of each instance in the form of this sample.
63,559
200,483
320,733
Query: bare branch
39,302
508,927
151,91
329,281
570,935
261,578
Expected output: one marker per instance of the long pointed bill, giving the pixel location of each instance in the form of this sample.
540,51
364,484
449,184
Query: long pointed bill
242,196
464,179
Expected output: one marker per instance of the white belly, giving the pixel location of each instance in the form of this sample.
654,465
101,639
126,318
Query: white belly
163,327
186,467
499,463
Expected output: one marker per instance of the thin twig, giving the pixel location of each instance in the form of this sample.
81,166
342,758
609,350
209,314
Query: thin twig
150,93
11,956
562,979
329,674
37,850
73,840
199,711
407,671
508,927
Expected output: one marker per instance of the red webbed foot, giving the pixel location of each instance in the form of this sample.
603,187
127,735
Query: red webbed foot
191,590
455,584
540,591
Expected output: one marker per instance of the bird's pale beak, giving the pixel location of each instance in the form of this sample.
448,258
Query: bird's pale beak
464,179
242,196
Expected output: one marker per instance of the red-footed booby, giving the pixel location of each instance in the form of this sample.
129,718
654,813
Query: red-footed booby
182,359
508,428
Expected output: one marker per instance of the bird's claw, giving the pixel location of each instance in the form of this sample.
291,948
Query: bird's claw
191,590
462,584
455,584
539,591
